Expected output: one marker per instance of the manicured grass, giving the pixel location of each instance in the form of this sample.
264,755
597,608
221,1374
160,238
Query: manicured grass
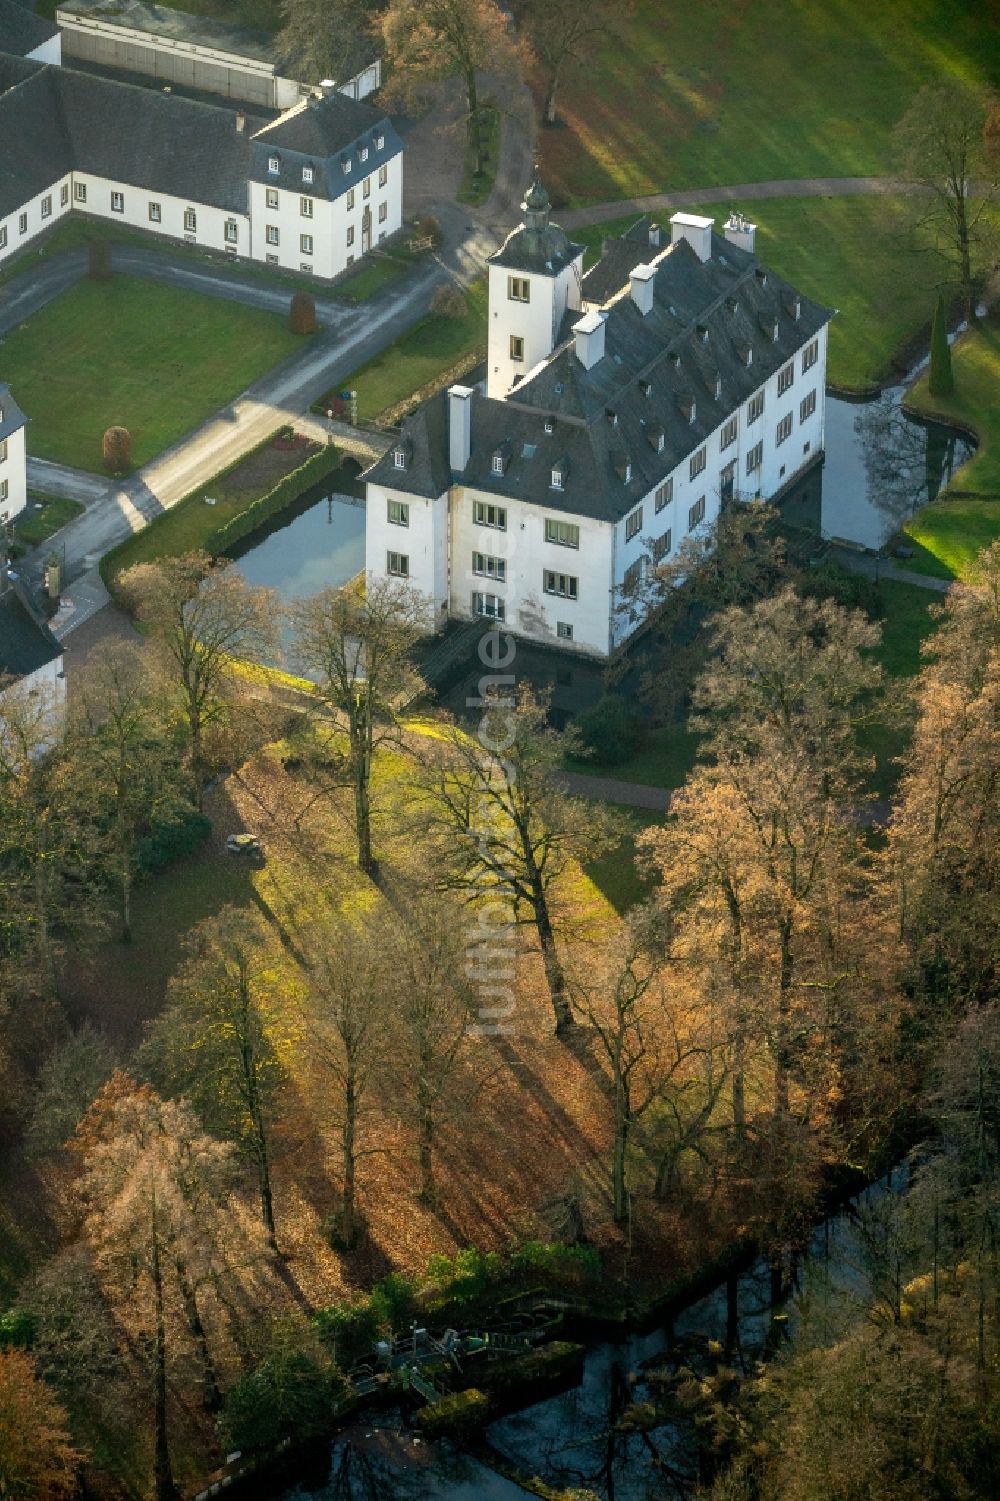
722,92
615,875
433,345
476,186
376,273
844,252
32,526
152,358
906,622
664,761
953,529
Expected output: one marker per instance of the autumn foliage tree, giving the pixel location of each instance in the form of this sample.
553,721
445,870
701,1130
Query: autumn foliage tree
38,1459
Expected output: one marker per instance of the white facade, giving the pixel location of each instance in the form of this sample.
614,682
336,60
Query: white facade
558,574
181,219
34,216
294,229
13,476
526,309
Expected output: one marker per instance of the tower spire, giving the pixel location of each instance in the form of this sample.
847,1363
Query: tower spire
536,206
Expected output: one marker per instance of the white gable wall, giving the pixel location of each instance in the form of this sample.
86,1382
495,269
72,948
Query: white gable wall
423,541
48,52
13,476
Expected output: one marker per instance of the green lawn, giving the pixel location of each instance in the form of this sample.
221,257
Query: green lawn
32,526
152,358
846,253
725,92
615,874
664,760
953,529
432,346
376,273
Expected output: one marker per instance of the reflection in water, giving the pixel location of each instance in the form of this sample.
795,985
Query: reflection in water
378,1462
320,540
881,465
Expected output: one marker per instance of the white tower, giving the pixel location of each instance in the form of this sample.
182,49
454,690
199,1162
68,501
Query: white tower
533,278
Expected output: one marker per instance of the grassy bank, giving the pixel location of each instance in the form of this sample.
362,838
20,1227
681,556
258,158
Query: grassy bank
716,93
193,523
33,526
424,351
953,529
151,358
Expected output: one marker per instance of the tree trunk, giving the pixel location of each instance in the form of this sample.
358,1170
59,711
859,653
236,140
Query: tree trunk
213,1397
781,1051
261,1153
126,897
739,1082
549,107
163,1479
425,1106
349,1157
619,1191
361,754
554,975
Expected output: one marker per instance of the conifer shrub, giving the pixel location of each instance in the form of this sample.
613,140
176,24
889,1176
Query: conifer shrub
116,450
941,381
302,313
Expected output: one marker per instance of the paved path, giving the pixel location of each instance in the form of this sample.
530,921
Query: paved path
793,187
884,568
611,790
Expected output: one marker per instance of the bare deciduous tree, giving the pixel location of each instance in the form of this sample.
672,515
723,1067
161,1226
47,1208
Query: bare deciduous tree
563,33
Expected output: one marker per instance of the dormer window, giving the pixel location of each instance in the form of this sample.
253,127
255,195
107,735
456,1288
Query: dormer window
550,426
718,387
645,388
745,353
656,437
364,153
688,407
399,458
307,174
498,463
380,143
702,333
557,478
622,466
761,275
346,164
612,417
273,164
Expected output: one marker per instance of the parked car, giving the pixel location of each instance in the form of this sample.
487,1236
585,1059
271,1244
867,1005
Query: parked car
247,845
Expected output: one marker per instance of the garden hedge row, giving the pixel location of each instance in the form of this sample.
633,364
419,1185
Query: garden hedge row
315,468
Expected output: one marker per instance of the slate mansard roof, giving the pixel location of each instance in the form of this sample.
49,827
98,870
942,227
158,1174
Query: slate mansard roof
21,31
634,407
329,134
26,643
54,120
12,419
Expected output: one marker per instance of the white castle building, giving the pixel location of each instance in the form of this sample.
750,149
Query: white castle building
13,463
622,410
309,191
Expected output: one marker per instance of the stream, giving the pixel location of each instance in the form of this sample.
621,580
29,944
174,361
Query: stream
568,1439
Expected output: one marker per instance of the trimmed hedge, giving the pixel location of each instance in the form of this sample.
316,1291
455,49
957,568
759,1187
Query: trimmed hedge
315,468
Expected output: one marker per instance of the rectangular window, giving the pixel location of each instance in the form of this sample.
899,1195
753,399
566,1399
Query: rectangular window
755,407
518,289
755,457
490,605
3,449
271,197
633,574
273,164
117,203
47,206
484,565
4,490
383,212
516,348
307,174
3,236
783,430
696,514
380,143
190,220
807,406
563,533
399,459
562,584
366,188
785,377
80,192
306,266
64,195
564,630
306,208
363,153
22,224
729,433
486,514
660,546
306,244
154,213
557,478
664,494
271,258
271,234
350,198
350,234
232,231
399,510
810,355
383,176
633,524
398,564
697,464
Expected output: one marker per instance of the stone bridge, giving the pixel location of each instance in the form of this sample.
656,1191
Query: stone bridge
361,443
